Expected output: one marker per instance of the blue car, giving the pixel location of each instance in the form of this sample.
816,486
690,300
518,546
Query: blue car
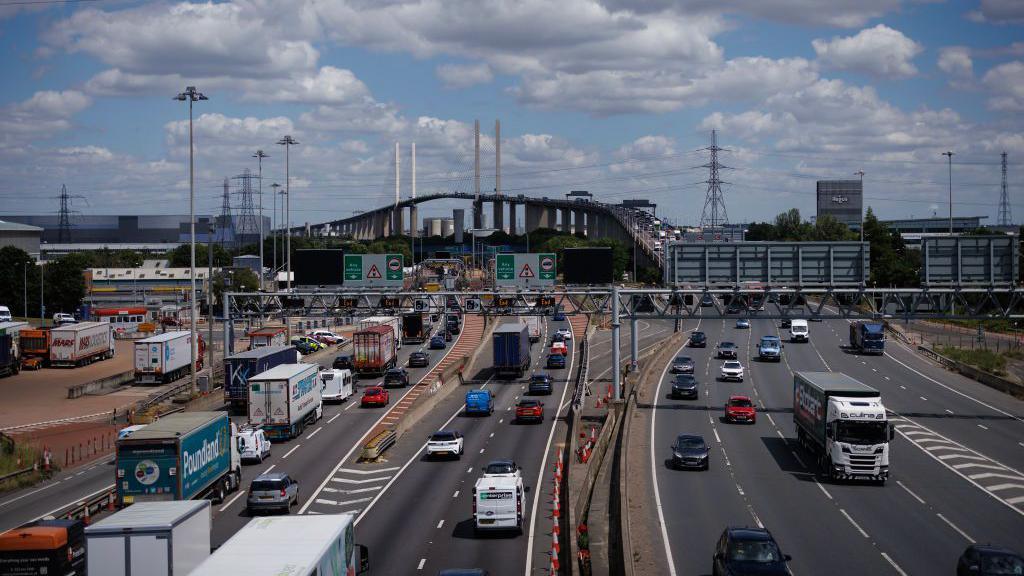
437,343
556,361
558,316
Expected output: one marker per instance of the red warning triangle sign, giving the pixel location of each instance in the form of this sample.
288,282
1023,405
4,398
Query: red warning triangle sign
373,273
527,272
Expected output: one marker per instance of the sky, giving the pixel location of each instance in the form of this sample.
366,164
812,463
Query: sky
617,97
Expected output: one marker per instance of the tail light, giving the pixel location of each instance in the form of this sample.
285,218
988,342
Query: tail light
283,493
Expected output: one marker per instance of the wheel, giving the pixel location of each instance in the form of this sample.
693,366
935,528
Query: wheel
220,493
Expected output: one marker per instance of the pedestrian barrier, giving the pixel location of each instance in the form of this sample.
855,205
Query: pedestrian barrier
378,444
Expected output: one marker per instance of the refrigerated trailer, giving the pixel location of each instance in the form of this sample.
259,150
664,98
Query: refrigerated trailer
82,343
374,350
511,349
238,368
284,399
164,358
150,539
394,322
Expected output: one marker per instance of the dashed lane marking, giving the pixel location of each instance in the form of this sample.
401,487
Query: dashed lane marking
289,453
957,528
911,492
893,564
854,522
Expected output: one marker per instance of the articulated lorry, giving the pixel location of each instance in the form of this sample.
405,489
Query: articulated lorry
844,424
867,337
414,329
238,368
151,539
511,349
284,399
44,548
374,350
165,357
393,321
82,343
35,348
183,456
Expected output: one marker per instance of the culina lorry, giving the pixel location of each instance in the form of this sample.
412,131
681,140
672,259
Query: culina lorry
82,343
844,423
511,349
165,357
184,456
284,399
238,368
867,337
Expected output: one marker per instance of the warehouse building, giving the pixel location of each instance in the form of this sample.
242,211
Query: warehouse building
22,236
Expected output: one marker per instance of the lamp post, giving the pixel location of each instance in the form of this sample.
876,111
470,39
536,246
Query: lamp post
861,174
259,156
949,156
24,284
287,142
192,95
273,231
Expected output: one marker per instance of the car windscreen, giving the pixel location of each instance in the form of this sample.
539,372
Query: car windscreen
685,379
1001,564
539,379
266,485
741,403
686,442
500,468
762,551
727,345
529,404
683,359
443,437
733,365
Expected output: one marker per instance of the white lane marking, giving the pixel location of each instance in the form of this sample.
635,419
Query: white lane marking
456,494
923,398
353,481
909,491
948,411
289,453
343,503
232,501
492,435
717,437
772,420
314,432
469,470
982,427
353,491
977,465
894,565
366,472
349,406
422,562
799,459
500,420
335,417
27,494
72,503
823,489
957,528
441,523
272,466
855,525
482,450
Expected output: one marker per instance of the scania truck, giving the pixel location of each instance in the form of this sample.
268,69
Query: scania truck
867,337
844,424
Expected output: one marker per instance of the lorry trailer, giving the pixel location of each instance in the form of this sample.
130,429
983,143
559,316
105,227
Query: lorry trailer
374,350
265,336
414,328
238,368
533,323
284,399
867,337
150,539
393,321
164,358
183,456
843,423
44,548
82,343
511,349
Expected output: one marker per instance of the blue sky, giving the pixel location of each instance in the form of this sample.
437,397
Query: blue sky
608,95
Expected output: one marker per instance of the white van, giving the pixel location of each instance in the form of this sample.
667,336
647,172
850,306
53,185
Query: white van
498,503
252,444
798,331
5,314
336,385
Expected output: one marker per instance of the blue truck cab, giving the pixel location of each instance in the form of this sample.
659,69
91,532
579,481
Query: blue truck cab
769,349
479,402
868,337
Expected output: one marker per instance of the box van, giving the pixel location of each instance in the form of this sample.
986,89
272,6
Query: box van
498,503
798,331
5,314
336,385
479,402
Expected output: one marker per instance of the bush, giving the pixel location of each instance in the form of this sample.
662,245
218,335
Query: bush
986,360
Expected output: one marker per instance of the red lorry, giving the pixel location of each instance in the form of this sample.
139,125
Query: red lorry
375,350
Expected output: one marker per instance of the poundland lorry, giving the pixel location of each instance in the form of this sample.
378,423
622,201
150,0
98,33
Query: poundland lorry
867,337
183,456
844,423
238,368
511,349
284,399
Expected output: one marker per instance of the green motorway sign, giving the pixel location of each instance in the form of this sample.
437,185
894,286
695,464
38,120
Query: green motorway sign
374,270
525,270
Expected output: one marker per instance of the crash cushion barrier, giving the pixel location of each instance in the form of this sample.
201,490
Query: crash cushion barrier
378,444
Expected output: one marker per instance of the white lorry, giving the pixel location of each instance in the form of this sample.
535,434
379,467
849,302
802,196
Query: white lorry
317,545
533,325
284,399
844,423
799,331
150,539
393,321
335,385
162,358
82,343
498,503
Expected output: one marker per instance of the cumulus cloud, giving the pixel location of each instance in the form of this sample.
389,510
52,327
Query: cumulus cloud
44,114
842,13
464,75
1006,85
956,61
329,86
998,12
879,51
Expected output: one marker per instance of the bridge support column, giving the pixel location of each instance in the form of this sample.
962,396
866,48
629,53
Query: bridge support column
478,214
533,213
499,215
512,217
414,219
552,218
566,220
579,226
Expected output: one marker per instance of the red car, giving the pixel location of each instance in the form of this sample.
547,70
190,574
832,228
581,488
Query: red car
375,396
530,410
740,409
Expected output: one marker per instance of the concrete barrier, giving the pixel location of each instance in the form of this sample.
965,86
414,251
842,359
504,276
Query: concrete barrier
101,386
986,378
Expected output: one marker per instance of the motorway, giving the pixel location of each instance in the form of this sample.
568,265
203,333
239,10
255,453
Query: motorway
955,463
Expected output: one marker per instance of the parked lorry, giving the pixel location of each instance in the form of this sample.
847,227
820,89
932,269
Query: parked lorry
374,350
498,503
414,329
150,539
393,321
165,357
34,348
844,423
183,456
268,336
10,348
82,343
238,368
511,349
321,545
867,337
533,324
479,402
44,548
769,349
284,399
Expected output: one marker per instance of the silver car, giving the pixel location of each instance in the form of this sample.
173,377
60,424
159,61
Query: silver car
272,491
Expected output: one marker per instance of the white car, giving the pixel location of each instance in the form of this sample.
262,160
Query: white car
253,444
327,337
565,332
60,318
502,469
445,443
732,370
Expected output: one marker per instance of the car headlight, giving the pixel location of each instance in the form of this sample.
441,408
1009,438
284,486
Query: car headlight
676,454
703,456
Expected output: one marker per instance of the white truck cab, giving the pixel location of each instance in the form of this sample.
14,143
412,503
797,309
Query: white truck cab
799,331
498,503
336,385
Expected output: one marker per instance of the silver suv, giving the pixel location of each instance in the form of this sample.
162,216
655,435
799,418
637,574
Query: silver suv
272,491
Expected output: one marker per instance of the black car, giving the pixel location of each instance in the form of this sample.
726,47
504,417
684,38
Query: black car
396,377
985,560
785,323
748,552
726,350
698,339
682,365
540,384
707,300
556,337
685,386
690,451
419,360
343,362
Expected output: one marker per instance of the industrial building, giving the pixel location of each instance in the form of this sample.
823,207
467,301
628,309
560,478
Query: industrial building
438,227
113,230
22,236
842,199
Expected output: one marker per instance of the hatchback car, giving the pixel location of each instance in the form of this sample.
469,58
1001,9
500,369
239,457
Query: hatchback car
707,300
396,377
272,491
725,350
445,443
375,396
343,362
565,332
698,339
985,560
540,384
437,343
556,361
740,409
691,451
731,370
419,360
502,469
530,410
685,386
682,365
742,551
743,323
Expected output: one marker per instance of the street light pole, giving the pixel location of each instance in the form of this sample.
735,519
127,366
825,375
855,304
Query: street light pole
949,156
259,156
861,174
273,231
287,142
24,284
192,95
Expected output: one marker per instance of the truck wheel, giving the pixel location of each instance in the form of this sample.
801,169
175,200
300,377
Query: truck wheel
219,493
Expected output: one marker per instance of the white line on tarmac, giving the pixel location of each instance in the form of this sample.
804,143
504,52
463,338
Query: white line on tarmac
232,501
957,528
335,417
855,525
909,491
289,453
